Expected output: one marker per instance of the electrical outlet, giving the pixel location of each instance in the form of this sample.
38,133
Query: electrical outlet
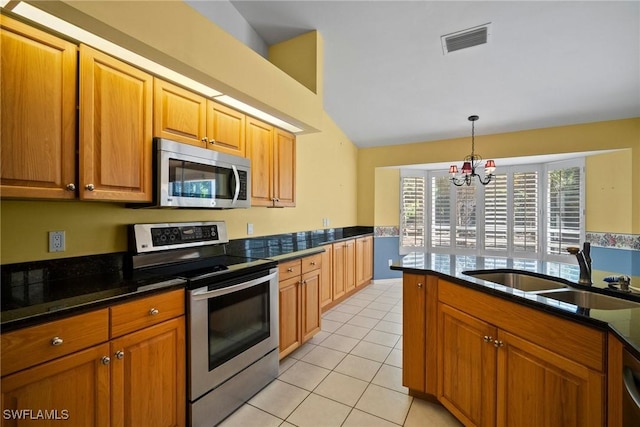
249,228
56,241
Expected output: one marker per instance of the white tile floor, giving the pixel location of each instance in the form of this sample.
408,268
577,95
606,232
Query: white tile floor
349,374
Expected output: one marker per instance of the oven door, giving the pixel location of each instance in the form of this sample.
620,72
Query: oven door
230,328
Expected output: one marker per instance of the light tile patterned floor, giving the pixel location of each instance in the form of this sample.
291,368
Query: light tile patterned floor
349,374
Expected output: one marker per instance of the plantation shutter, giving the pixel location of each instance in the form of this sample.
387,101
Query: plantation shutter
496,214
465,220
563,209
412,215
440,212
526,212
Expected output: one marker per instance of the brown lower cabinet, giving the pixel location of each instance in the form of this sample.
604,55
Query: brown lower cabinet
299,299
136,379
494,362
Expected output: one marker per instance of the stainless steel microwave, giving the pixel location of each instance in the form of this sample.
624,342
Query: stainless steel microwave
193,177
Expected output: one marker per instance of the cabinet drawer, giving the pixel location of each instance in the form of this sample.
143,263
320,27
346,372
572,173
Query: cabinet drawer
289,269
138,314
30,346
311,263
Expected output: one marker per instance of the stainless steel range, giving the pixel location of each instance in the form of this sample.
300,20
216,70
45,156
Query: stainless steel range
232,313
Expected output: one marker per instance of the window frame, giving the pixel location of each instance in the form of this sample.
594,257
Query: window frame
542,170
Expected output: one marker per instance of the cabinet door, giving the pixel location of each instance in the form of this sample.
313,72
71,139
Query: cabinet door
37,113
115,129
350,265
326,277
537,387
467,366
414,292
289,299
284,168
178,114
74,389
259,150
364,260
225,129
310,301
149,376
339,269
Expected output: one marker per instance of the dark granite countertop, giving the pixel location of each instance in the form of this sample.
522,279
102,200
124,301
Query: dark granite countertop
625,323
41,291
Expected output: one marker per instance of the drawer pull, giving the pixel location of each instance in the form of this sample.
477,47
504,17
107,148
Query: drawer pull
56,341
105,360
119,354
313,263
154,312
498,343
290,270
487,338
420,285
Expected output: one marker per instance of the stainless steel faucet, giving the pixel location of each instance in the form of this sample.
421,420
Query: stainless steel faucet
584,260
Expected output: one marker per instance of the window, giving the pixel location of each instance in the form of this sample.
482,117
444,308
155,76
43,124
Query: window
412,213
526,212
563,208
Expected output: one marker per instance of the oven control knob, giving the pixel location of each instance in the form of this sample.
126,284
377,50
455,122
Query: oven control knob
154,312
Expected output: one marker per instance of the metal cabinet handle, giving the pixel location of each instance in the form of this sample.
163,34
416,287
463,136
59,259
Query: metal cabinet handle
498,343
105,360
212,141
313,263
90,187
205,139
290,270
487,338
71,187
119,354
154,312
56,341
420,285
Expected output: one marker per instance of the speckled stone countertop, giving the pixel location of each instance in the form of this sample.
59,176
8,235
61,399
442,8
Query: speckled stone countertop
625,323
41,291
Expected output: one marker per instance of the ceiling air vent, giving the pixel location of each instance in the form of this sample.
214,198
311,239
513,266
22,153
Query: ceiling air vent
466,38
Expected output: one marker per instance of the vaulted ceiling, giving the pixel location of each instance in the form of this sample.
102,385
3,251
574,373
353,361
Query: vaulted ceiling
388,81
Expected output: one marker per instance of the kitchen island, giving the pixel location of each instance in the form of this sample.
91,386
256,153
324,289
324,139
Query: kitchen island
497,355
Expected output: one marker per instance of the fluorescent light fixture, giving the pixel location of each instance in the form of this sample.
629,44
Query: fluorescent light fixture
50,21
226,99
77,33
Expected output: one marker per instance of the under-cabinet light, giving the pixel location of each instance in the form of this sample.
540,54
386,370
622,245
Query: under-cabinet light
232,102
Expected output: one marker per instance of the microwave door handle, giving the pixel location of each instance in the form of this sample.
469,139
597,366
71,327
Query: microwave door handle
236,175
204,294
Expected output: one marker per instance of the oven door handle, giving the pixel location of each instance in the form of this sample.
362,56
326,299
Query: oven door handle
198,295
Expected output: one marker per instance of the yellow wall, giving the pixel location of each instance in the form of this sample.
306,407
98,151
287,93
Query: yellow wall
606,181
326,188
387,196
301,57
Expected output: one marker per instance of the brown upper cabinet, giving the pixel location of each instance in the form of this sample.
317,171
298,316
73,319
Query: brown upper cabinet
115,129
273,156
187,117
38,113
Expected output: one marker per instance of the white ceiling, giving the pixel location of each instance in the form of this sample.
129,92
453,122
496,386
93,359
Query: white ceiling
387,81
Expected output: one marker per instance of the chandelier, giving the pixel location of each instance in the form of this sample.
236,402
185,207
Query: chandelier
471,162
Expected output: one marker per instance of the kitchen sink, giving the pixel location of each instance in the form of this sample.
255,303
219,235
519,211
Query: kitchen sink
588,299
517,280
